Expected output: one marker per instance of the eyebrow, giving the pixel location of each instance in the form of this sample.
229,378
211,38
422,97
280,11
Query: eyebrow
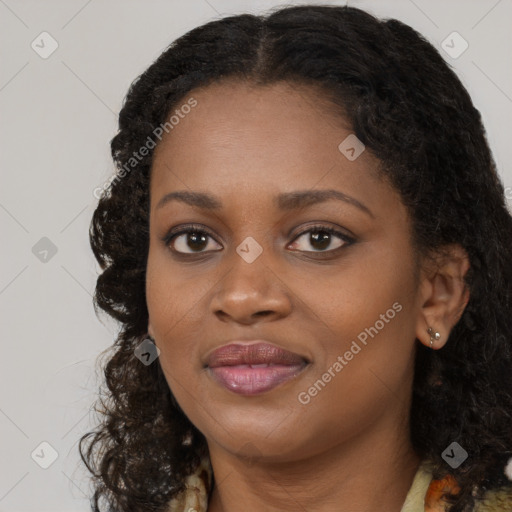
285,201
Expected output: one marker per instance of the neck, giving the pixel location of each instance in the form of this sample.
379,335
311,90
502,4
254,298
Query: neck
372,471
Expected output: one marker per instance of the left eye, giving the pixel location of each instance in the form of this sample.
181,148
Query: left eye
189,241
320,238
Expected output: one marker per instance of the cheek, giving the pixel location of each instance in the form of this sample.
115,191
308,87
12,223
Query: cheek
176,326
370,315
173,295
176,314
377,334
174,317
356,296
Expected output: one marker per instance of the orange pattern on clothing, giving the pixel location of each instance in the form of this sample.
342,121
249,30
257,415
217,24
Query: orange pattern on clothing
435,492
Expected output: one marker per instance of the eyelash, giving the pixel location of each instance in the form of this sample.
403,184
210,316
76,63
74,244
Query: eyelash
198,229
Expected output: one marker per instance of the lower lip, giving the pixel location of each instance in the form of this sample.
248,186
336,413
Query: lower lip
244,380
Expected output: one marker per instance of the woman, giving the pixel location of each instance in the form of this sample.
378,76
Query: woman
308,248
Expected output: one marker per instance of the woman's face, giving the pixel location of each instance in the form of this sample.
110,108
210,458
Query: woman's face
347,304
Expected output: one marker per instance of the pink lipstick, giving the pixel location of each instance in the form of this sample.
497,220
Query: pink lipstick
253,369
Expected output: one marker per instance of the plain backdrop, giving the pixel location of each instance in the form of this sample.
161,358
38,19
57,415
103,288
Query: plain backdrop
58,115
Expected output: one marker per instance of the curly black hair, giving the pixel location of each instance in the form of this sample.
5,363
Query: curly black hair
409,108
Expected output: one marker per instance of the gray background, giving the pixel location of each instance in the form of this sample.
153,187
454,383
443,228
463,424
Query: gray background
58,115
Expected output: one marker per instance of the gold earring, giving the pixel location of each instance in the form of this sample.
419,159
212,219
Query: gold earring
433,336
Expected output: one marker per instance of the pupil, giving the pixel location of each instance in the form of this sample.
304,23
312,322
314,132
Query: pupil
322,240
196,238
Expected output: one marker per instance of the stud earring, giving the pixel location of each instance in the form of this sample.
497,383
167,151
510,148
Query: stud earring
434,335
508,469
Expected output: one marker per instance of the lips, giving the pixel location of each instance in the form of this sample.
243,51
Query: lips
255,354
254,368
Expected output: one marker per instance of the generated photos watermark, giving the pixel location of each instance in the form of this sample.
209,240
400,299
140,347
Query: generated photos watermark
150,144
305,397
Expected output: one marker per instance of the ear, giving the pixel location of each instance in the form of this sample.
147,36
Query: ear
150,330
443,294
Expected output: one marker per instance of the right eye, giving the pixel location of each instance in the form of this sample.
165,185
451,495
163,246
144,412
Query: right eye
188,240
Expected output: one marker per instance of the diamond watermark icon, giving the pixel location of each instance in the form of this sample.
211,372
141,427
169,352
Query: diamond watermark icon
454,45
44,455
455,455
44,45
249,249
351,147
147,352
250,453
44,250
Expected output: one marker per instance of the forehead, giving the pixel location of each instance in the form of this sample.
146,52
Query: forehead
240,137
229,109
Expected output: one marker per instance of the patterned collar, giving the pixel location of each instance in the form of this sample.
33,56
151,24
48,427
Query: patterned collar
424,494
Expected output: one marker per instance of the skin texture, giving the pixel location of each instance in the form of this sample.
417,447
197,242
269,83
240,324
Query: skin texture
271,452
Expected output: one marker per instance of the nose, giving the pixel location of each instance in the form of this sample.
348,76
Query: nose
250,292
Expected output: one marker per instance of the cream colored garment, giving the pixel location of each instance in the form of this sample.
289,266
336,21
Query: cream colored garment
415,499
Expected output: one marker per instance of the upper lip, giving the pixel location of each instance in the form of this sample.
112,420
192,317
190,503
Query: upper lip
259,352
